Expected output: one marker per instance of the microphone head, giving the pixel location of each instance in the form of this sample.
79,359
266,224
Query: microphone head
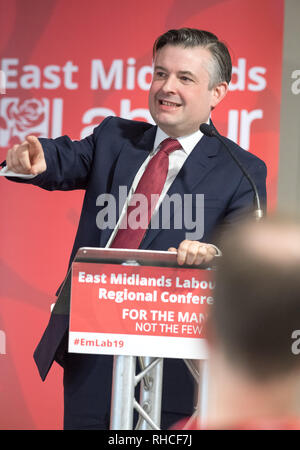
207,129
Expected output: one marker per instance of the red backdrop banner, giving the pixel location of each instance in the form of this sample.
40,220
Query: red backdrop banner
67,65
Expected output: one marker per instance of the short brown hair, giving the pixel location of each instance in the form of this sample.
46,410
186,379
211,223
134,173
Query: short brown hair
192,37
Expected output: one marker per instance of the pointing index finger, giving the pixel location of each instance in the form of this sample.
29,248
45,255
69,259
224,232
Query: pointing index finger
34,143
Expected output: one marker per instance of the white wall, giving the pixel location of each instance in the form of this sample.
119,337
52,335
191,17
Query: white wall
289,161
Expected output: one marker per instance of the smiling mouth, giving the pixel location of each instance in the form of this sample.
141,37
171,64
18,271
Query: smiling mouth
169,104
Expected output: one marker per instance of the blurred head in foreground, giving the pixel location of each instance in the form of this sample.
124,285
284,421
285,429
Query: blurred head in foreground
254,366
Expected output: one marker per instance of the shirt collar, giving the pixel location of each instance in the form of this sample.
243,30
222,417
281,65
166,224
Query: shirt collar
187,142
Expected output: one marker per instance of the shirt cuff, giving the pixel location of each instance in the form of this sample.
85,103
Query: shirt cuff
4,172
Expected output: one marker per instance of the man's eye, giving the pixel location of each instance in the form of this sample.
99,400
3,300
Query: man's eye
183,78
160,74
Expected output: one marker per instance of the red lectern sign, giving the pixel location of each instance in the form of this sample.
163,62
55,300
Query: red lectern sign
139,310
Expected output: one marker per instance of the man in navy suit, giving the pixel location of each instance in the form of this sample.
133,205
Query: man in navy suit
192,70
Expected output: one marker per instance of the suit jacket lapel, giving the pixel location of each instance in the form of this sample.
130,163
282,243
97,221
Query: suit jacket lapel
198,164
130,159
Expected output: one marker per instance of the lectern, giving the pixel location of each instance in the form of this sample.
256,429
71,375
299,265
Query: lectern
141,307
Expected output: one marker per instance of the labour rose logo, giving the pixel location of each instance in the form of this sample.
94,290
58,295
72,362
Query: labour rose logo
28,117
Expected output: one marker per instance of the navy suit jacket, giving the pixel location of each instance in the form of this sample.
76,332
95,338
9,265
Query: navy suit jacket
110,158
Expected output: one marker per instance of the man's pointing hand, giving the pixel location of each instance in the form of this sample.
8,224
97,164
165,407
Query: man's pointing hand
27,158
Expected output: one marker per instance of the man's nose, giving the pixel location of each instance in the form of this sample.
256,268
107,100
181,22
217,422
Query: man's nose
170,84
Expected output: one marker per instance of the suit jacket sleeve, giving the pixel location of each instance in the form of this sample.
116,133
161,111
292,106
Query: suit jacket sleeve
68,162
242,204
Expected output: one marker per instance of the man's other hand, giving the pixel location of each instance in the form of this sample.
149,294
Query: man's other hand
27,158
194,253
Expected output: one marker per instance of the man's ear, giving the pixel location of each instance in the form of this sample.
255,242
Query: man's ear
218,93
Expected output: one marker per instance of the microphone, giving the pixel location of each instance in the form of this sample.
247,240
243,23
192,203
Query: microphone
211,131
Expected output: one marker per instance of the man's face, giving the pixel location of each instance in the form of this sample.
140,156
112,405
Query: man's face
179,98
